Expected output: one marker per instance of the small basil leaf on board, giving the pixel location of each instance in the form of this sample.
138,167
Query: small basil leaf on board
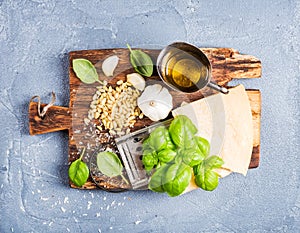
85,71
109,164
141,62
78,171
176,179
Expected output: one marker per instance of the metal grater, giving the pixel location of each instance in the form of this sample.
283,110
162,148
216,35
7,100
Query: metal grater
130,148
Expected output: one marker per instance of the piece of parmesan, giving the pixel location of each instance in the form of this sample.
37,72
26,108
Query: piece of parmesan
226,122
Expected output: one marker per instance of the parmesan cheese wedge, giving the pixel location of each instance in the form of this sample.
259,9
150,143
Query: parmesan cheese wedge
226,122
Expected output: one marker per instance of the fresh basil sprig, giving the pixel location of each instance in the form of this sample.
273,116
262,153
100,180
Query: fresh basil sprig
110,165
177,153
85,71
141,62
79,171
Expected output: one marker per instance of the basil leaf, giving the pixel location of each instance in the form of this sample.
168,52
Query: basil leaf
156,180
203,145
208,181
109,164
179,157
213,162
166,155
209,163
149,160
205,177
159,138
182,130
192,156
170,145
141,62
85,71
78,171
146,145
176,179
160,164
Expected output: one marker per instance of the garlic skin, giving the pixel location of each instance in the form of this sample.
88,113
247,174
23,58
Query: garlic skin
136,80
109,65
155,102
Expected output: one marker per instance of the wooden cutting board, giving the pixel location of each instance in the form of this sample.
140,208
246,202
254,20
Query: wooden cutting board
227,64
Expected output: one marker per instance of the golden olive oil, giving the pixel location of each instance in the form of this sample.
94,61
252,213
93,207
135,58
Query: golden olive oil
184,70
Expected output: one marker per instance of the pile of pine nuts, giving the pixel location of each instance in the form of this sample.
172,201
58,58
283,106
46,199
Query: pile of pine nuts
115,108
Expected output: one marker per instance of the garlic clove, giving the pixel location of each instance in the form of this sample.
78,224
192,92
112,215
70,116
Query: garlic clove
155,112
149,111
155,102
136,80
109,65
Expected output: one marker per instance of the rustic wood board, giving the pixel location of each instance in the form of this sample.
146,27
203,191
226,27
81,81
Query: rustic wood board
227,64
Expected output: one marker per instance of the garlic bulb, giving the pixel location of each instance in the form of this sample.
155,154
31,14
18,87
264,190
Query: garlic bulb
155,102
109,65
136,80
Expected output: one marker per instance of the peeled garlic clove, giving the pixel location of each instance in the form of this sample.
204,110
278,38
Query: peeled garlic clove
155,102
136,80
109,65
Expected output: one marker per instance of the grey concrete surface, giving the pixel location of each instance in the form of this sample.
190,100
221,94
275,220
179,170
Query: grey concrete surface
35,38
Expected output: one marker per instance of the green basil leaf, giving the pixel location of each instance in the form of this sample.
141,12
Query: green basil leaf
146,145
160,164
182,130
141,62
203,145
213,162
85,71
208,180
170,145
156,180
176,179
159,138
192,156
78,172
149,160
166,155
109,164
179,157
205,177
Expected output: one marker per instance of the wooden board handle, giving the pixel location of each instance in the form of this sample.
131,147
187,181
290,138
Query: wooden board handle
57,118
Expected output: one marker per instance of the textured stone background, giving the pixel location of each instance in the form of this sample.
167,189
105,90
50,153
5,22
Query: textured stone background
35,38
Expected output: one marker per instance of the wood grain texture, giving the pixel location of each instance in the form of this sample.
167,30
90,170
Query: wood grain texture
227,64
255,103
57,118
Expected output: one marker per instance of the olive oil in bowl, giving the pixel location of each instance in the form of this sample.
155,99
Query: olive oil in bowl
185,73
185,68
